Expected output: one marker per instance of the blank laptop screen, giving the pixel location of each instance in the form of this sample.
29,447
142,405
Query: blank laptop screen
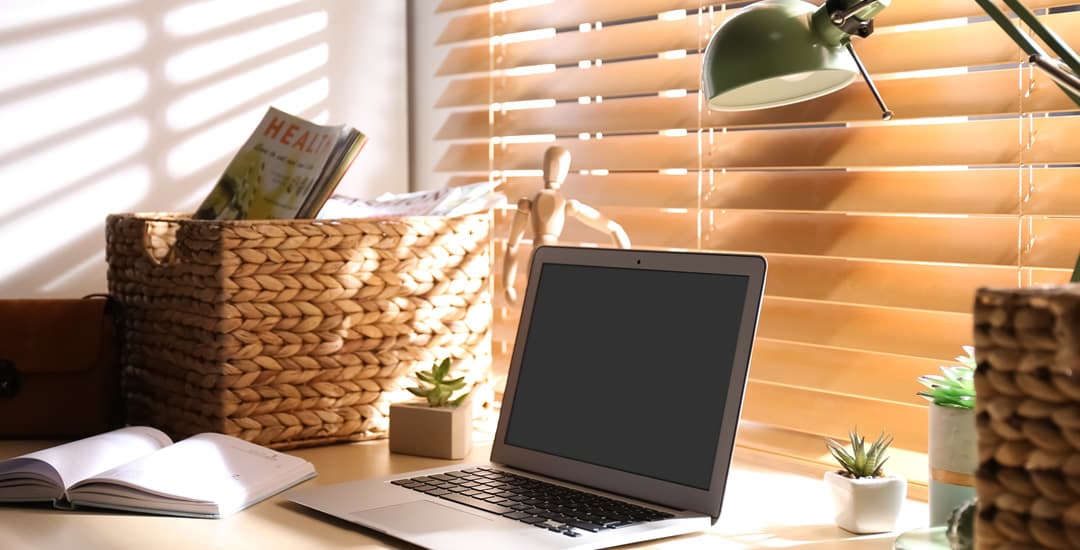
628,369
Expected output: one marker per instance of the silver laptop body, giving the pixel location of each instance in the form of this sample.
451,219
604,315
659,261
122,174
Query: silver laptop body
625,382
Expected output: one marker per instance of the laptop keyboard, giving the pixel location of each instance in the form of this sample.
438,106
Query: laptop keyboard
531,501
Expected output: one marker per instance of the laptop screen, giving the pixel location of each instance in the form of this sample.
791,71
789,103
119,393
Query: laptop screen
628,369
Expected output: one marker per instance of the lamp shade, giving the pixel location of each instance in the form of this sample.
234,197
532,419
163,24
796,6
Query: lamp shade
767,55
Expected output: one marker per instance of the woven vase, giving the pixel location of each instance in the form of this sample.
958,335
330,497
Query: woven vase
1027,384
292,333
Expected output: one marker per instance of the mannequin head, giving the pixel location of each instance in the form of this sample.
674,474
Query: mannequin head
556,166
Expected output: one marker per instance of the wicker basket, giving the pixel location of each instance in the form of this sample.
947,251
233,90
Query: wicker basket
293,333
1027,344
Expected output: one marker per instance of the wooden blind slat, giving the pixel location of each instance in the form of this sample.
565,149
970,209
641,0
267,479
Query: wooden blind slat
975,143
1051,191
969,45
567,48
641,189
646,228
991,191
913,333
920,11
1050,242
986,240
816,413
931,287
1037,191
1051,140
999,94
842,371
559,14
1045,276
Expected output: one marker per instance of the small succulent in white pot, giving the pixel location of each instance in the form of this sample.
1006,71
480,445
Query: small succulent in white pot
866,498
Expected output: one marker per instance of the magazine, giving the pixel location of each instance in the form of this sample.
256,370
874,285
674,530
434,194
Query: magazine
140,469
450,202
286,169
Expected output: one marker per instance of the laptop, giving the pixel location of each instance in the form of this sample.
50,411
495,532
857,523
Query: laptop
618,419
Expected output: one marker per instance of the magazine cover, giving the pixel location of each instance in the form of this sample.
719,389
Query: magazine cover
279,169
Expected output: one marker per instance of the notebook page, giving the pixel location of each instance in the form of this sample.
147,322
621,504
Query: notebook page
81,459
208,467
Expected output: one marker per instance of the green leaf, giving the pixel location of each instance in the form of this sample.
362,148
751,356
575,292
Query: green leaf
840,453
443,369
417,392
880,465
459,399
459,384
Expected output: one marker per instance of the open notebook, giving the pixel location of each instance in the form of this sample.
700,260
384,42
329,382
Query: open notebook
619,416
140,469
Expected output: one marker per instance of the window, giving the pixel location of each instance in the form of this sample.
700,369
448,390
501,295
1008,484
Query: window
877,233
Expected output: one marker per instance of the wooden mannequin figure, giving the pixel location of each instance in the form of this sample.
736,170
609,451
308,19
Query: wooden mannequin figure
548,210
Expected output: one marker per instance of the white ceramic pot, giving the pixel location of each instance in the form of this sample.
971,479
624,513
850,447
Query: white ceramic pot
866,505
953,457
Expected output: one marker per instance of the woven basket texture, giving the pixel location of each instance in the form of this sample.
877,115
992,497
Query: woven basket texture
293,333
1027,386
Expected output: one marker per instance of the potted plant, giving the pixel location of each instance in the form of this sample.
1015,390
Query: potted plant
438,425
952,451
865,498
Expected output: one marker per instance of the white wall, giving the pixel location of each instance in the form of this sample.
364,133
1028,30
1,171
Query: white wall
119,106
425,56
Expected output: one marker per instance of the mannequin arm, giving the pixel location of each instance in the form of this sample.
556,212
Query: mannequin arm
517,229
590,217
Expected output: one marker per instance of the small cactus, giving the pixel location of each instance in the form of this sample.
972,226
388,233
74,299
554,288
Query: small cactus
438,389
860,462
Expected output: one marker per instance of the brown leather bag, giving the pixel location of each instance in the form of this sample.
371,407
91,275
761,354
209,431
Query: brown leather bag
59,368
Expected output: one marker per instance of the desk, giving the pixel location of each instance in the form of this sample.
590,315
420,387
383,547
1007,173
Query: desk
766,506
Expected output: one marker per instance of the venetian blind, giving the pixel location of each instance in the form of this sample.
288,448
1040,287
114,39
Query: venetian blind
877,233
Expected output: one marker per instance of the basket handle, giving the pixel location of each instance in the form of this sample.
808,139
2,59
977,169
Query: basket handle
169,258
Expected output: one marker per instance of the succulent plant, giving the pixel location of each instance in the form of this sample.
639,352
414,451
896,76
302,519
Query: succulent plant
436,388
957,387
861,461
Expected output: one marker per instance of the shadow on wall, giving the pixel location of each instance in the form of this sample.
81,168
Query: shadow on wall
118,106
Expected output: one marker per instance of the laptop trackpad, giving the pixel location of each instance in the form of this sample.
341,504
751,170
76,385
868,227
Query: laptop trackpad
419,517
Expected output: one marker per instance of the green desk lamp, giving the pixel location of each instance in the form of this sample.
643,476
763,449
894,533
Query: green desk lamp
778,52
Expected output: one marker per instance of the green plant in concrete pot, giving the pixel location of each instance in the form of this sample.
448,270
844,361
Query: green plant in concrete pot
866,498
440,424
952,451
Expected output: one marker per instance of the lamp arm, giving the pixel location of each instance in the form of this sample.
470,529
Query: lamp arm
886,114
1026,43
1057,71
1056,44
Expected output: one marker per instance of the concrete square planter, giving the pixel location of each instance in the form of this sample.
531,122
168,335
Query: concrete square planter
438,432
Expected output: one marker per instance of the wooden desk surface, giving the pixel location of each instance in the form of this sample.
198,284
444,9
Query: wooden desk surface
764,507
